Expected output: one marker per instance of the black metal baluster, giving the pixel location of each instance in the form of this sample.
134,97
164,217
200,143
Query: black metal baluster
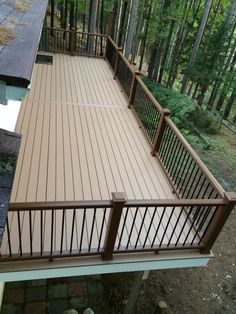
62,230
167,225
178,163
102,227
176,174
82,230
72,230
186,220
189,187
177,221
9,238
123,227
92,228
171,154
19,232
141,227
132,227
187,176
31,237
174,163
196,186
41,232
150,225
158,227
52,230
164,142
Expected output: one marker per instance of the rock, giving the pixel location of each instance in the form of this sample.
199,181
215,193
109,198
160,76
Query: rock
88,311
228,277
71,311
162,305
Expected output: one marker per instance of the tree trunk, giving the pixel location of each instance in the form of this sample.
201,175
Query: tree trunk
92,24
197,43
227,83
179,45
101,25
218,82
122,24
115,11
62,13
201,95
72,14
92,16
76,13
52,15
230,104
65,18
195,91
131,28
165,52
145,35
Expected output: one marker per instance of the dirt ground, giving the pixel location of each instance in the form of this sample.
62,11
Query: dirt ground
210,289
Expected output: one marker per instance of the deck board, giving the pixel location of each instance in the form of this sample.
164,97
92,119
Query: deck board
81,142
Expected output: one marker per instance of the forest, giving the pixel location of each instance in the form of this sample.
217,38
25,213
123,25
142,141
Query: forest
188,46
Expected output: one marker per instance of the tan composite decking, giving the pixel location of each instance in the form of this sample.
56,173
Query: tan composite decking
80,142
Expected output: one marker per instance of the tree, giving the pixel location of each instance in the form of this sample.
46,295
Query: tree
92,24
131,27
197,43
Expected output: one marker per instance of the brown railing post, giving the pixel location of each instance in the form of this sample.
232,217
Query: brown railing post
119,200
106,48
72,41
119,49
218,222
133,88
160,131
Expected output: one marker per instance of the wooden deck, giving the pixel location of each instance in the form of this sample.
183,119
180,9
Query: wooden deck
79,140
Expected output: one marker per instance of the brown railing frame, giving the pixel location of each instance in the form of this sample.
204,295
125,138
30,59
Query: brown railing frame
225,203
72,41
116,205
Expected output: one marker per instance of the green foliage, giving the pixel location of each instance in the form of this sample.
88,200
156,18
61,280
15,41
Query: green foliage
205,120
188,116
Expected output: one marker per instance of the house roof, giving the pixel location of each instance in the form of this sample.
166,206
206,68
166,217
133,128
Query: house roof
24,18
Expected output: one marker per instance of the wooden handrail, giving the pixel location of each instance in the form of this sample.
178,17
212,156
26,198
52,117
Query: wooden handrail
108,203
175,202
70,30
59,205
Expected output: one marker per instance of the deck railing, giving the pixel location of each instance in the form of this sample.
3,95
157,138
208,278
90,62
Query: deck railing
62,229
188,175
191,221
72,42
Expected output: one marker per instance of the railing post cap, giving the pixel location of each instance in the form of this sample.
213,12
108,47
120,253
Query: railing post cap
119,197
230,196
166,112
